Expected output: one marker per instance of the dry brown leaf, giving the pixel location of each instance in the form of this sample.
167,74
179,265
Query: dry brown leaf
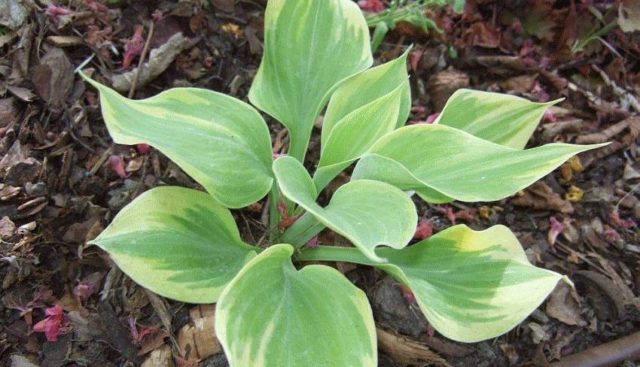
197,339
442,85
53,77
541,196
404,350
161,357
158,61
564,305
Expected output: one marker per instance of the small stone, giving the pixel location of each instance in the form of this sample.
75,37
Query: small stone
392,309
7,228
35,189
636,211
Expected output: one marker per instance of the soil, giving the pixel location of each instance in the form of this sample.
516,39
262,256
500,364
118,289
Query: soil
63,179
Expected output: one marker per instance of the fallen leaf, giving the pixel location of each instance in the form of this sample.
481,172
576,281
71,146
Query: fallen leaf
407,351
12,14
541,196
555,228
424,230
564,305
629,15
7,228
197,339
53,77
158,61
133,47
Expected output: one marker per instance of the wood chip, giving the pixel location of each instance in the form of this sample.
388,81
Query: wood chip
407,351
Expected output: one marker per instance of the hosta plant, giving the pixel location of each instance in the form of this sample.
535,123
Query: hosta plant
272,308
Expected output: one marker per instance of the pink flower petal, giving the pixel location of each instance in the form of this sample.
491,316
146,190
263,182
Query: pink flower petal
555,229
424,230
117,165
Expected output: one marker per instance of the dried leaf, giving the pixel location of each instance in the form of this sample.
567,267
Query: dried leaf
53,77
629,15
12,13
407,351
564,305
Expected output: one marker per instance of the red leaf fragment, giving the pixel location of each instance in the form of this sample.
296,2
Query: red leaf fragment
84,290
137,335
96,6
432,118
374,6
53,324
615,219
539,93
424,230
448,212
143,149
56,11
555,229
414,59
133,47
407,294
313,243
549,116
117,165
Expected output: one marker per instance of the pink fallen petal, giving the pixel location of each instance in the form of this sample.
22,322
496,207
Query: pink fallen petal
313,243
448,212
555,229
56,311
549,116
432,118
96,6
424,230
407,294
539,93
52,324
614,216
414,59
611,234
84,290
374,6
133,47
117,165
56,11
143,149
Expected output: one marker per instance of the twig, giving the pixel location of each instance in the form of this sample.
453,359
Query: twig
608,354
619,91
143,55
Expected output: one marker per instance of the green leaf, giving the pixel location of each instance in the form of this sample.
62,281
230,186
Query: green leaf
354,134
310,46
363,108
178,242
439,161
368,213
222,142
273,315
366,87
500,118
471,285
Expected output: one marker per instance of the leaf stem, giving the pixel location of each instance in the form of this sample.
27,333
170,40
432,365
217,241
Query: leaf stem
300,232
274,215
334,253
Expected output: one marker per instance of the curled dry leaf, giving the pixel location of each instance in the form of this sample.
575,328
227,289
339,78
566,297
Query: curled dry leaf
53,77
197,340
442,85
564,305
404,350
555,228
158,61
161,357
541,196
